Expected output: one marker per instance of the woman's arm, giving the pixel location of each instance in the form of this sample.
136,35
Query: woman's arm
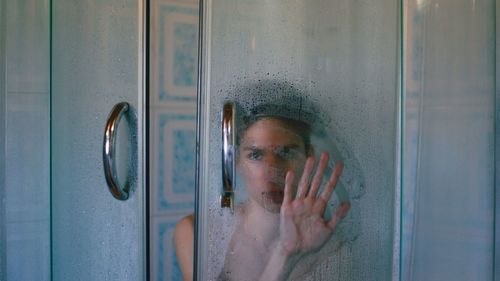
184,245
280,265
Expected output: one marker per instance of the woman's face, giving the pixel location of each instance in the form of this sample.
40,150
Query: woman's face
268,149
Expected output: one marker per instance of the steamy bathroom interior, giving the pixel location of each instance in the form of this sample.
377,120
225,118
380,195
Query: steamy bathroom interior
404,93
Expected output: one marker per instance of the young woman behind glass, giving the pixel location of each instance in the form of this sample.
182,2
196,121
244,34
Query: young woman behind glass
283,219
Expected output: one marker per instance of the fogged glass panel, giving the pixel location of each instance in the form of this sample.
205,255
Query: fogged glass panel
96,64
448,207
305,77
25,156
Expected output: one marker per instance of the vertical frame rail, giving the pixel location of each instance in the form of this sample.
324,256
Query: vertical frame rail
496,250
3,242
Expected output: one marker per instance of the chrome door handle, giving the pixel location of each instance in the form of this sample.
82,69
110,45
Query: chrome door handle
108,153
228,155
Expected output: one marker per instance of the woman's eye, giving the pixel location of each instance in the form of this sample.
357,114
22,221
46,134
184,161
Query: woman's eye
287,153
255,155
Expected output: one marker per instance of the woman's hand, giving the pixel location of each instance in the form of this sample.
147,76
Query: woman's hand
303,227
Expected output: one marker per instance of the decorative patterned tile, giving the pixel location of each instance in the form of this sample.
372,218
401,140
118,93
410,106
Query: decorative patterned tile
177,51
164,261
173,127
174,167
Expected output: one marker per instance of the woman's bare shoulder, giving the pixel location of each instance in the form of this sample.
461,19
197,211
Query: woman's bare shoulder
184,245
184,229
186,223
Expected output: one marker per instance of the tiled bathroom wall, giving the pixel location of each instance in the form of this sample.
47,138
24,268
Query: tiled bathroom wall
174,37
25,189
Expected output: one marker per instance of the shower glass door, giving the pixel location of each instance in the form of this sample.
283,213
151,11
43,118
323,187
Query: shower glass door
450,122
97,62
293,79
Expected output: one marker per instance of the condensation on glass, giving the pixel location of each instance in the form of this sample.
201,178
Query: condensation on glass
97,47
342,57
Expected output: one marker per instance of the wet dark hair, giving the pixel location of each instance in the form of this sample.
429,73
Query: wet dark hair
275,99
300,128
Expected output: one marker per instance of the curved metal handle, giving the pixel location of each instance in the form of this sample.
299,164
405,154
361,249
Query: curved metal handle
108,153
228,146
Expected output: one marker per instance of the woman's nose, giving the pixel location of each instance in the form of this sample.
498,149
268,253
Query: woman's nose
276,165
276,174
273,160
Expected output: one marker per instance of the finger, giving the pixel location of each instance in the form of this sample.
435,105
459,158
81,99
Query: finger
323,162
341,212
332,182
304,180
288,193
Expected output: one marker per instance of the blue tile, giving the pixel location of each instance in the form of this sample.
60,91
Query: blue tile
176,169
184,156
185,54
168,266
184,46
